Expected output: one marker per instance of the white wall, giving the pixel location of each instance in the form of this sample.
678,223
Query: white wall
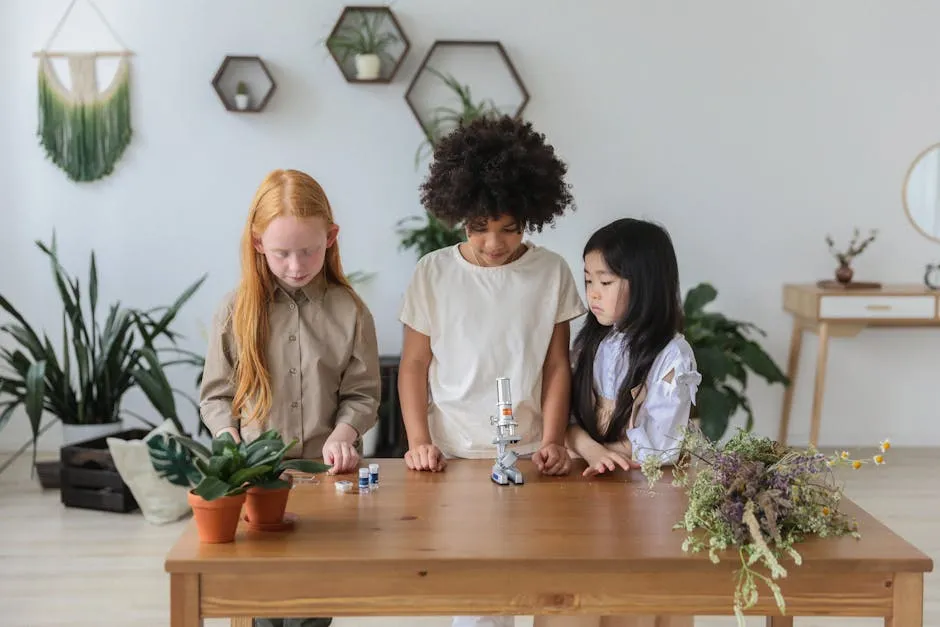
749,129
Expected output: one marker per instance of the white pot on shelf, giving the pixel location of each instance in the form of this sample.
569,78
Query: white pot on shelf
241,101
82,433
368,66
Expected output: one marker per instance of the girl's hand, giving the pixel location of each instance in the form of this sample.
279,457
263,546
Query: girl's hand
606,460
425,457
552,459
342,456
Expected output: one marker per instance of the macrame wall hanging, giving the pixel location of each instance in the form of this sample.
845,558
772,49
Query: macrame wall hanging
84,131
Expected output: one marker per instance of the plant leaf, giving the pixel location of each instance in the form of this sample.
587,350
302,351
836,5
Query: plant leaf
172,461
714,409
211,488
760,362
698,297
302,465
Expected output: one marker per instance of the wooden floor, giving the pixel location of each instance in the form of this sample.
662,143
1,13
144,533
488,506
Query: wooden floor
62,567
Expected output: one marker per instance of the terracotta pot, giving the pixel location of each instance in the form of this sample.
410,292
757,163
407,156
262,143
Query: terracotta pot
265,507
844,274
217,520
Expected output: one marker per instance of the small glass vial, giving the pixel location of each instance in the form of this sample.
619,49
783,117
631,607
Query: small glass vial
363,479
373,476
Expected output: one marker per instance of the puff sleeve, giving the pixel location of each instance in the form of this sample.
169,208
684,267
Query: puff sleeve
671,389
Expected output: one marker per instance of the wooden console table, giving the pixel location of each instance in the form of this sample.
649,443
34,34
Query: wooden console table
844,313
455,543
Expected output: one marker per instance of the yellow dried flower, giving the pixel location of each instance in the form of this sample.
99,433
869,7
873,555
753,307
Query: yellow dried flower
856,464
844,455
885,445
879,459
825,511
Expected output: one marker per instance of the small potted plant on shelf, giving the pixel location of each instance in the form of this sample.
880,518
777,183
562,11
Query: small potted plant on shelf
365,42
241,96
723,353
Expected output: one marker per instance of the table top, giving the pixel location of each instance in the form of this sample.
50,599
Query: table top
459,517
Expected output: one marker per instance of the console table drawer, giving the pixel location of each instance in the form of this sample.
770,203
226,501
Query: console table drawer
870,306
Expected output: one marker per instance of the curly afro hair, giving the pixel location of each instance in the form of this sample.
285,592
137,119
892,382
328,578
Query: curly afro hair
496,166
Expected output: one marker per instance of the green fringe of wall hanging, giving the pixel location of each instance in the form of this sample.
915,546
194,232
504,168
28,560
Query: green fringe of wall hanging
84,131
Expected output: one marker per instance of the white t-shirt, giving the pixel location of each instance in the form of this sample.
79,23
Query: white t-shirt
485,323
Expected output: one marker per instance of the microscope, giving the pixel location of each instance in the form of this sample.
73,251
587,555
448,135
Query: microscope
504,470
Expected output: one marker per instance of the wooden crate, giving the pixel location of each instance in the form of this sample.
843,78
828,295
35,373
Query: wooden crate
89,479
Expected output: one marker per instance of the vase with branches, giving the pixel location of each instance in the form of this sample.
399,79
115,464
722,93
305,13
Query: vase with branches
856,247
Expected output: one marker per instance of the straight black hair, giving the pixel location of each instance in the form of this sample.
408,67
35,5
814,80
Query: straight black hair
642,253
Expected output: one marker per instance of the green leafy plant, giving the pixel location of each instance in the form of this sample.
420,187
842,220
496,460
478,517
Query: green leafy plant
363,36
445,119
241,89
429,235
96,365
760,499
226,468
725,352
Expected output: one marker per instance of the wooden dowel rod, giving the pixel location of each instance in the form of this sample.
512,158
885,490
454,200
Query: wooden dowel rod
97,53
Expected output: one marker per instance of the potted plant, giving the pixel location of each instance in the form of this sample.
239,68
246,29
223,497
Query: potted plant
228,476
241,96
724,353
267,495
845,272
365,43
83,383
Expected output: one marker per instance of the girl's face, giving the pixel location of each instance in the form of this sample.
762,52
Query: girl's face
295,248
493,242
607,294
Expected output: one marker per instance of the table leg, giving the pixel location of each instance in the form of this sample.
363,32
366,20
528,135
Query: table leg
908,605
779,621
184,600
823,331
793,365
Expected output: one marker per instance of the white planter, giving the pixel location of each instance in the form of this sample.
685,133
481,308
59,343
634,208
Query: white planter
368,66
81,433
241,101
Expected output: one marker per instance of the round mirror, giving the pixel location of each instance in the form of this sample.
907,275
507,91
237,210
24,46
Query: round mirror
922,193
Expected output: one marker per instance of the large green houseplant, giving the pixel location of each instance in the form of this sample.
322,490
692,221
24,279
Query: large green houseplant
725,351
85,380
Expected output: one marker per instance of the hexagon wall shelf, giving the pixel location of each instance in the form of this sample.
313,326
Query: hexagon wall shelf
375,30
486,62
253,74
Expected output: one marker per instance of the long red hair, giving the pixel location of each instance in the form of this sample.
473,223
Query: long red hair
282,193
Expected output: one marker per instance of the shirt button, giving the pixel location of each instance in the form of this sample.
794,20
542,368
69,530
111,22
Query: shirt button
293,371
295,404
292,306
292,338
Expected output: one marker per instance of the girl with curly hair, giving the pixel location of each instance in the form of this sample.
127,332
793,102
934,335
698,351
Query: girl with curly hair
493,306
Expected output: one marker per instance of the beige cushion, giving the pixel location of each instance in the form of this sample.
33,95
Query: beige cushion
160,501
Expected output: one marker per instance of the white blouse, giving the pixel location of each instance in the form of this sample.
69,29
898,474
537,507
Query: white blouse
668,404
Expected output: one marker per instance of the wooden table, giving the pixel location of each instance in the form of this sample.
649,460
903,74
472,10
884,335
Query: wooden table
454,543
840,312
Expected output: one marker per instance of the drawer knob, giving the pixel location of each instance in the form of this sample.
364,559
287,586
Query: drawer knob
878,307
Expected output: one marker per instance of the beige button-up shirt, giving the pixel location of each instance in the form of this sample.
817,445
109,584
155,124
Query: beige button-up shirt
323,359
